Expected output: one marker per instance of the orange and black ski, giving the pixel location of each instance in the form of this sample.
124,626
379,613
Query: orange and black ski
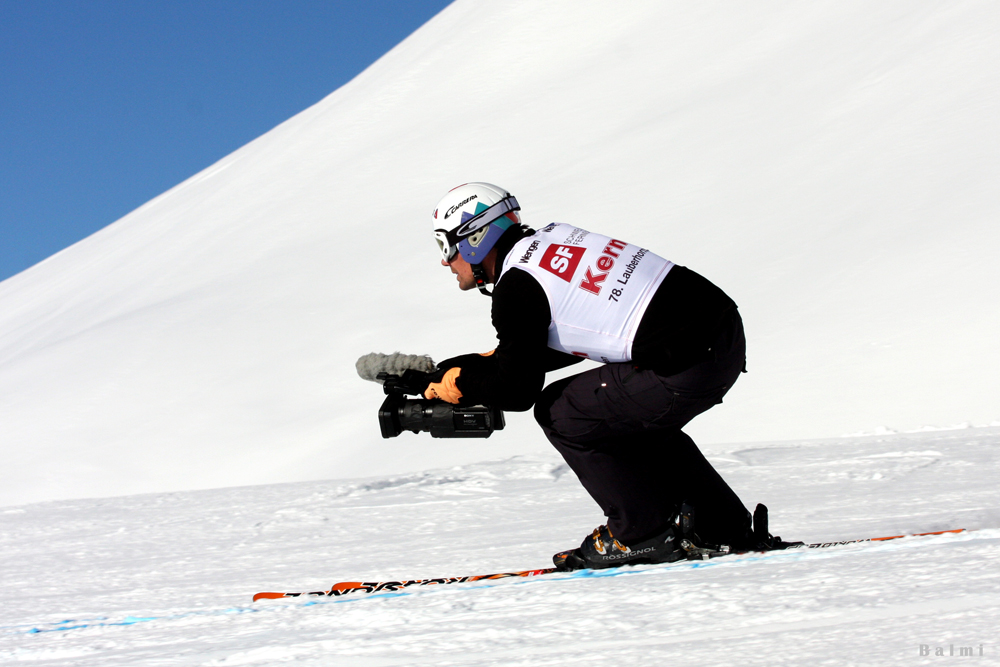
345,587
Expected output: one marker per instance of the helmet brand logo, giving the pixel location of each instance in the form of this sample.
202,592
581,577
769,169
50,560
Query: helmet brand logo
457,206
561,260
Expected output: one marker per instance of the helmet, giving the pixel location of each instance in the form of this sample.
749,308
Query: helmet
471,218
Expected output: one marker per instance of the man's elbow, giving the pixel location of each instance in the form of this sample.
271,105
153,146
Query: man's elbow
518,402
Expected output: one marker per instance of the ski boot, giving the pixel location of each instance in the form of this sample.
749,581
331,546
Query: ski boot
601,550
678,542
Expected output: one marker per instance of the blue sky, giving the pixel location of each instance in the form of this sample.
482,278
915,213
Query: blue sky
106,104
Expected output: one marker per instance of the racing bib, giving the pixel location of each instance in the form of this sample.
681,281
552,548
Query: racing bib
598,288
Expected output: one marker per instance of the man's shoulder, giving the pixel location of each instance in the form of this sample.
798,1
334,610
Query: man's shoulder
518,295
516,280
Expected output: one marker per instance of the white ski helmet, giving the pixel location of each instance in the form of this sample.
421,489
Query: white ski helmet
471,218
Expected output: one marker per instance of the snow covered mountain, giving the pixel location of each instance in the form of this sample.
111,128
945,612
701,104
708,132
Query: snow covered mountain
832,165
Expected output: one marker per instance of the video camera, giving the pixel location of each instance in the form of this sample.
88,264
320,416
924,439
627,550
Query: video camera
442,420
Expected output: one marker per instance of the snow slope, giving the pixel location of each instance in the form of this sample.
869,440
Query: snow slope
832,165
166,579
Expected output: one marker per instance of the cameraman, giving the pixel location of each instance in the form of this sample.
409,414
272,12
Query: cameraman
671,343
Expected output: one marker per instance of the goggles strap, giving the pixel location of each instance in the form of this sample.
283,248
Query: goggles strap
501,208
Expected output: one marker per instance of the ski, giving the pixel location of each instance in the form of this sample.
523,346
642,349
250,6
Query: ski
368,587
345,587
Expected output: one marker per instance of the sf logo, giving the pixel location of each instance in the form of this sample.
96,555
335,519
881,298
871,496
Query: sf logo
561,260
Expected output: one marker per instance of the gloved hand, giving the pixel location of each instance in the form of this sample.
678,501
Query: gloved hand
446,388
440,384
415,383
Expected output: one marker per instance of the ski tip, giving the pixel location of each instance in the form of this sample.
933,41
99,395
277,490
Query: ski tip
345,586
268,596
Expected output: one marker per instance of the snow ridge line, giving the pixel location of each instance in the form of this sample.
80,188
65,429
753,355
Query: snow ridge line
907,542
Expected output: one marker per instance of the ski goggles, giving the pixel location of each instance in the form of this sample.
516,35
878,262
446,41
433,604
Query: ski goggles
448,240
448,251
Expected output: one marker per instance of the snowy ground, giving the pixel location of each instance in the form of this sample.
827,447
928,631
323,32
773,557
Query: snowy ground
166,579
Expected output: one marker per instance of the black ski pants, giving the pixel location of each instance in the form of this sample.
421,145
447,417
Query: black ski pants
619,429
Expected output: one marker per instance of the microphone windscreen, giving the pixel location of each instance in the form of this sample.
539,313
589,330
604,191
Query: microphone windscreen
374,363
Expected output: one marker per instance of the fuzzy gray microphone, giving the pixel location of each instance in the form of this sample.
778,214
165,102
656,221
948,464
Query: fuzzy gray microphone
374,363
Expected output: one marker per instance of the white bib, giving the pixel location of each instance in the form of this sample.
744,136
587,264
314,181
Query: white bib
598,288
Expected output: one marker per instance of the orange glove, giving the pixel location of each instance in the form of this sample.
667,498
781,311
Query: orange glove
446,389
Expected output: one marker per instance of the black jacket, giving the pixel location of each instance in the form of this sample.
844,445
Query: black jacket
682,320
